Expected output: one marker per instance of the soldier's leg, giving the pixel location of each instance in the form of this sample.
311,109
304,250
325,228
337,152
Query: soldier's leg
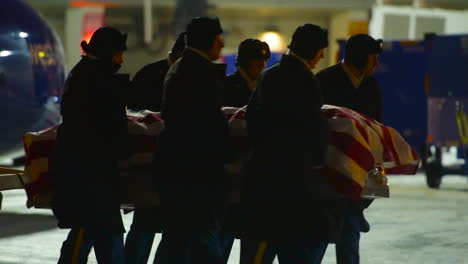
206,248
301,250
347,250
109,247
226,240
75,249
139,240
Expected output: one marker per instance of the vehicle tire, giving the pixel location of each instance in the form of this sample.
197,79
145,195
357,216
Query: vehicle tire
433,175
434,168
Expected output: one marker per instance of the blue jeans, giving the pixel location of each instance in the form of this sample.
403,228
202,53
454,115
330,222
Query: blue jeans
189,247
226,240
289,251
108,247
138,246
347,250
146,223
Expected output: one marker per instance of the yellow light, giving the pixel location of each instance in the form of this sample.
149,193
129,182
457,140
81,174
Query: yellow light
274,40
41,54
382,171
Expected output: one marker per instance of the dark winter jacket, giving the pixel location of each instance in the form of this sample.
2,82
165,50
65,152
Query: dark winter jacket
189,164
236,91
289,135
146,88
93,136
338,90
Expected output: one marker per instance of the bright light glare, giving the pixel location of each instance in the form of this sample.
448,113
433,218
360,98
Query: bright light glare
87,37
274,40
23,35
5,53
41,54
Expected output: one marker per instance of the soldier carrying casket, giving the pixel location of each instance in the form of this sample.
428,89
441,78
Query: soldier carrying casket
85,160
193,148
349,84
279,207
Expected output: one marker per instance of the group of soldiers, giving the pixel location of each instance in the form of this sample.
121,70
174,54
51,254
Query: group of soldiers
283,212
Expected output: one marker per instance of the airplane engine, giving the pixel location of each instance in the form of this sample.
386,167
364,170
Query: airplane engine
32,74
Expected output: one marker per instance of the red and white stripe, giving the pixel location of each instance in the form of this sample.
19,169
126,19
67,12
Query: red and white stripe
356,145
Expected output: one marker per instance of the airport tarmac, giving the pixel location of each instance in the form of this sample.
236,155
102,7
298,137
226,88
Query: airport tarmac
416,225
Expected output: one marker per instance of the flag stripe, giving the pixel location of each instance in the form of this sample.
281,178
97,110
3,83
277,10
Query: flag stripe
342,183
353,149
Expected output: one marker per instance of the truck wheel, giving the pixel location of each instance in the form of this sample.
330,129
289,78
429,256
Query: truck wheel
433,175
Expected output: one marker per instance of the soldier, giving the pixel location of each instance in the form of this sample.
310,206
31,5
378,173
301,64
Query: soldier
146,93
349,84
193,149
146,88
88,149
252,56
251,59
289,136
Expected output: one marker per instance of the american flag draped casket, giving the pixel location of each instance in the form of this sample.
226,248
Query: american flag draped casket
357,144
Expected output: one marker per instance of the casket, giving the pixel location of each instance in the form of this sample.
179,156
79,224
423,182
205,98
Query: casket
357,145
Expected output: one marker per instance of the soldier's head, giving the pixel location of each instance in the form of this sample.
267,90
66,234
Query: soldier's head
361,51
206,34
106,43
177,49
252,55
309,42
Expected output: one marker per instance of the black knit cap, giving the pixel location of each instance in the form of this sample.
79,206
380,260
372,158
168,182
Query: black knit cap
251,49
178,47
201,32
308,39
359,46
105,42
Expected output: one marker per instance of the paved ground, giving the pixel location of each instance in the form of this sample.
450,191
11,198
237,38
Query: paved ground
416,225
